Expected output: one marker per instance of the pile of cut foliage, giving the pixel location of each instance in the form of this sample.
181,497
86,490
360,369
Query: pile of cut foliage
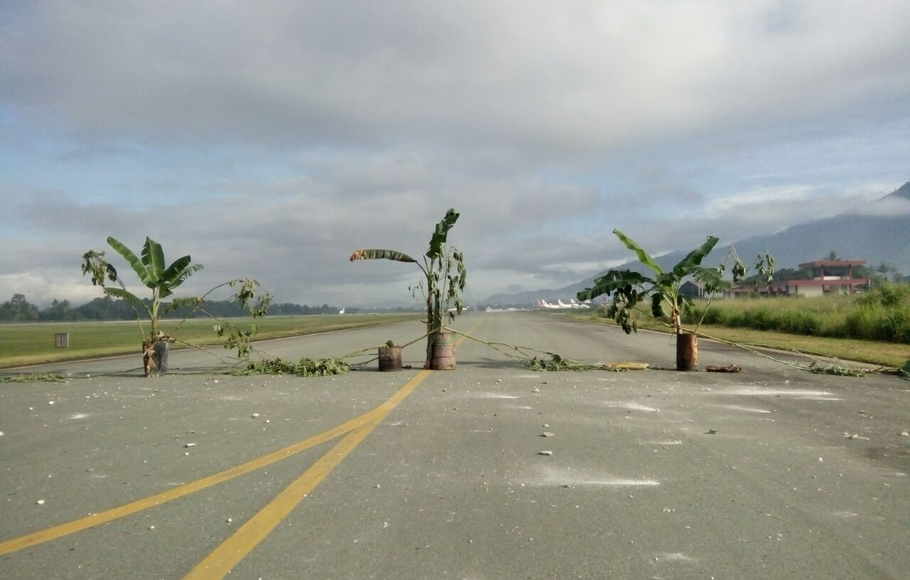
305,367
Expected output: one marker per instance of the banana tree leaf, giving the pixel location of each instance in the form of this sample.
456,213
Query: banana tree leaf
138,267
441,233
174,271
657,306
381,255
179,303
153,259
693,260
643,256
612,281
166,289
120,293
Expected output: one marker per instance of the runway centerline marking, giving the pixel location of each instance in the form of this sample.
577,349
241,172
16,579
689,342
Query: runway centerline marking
97,519
232,551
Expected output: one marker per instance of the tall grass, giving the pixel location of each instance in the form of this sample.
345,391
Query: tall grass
881,314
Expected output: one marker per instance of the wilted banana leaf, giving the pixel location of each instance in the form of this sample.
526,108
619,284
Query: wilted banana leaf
179,303
905,371
135,300
713,279
381,255
612,281
441,233
144,275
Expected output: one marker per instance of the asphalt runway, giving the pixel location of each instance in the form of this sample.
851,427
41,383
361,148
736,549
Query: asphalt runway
490,471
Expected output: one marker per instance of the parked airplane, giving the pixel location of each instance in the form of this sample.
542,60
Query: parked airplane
560,305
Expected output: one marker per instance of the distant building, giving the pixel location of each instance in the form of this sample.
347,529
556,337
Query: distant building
692,289
828,277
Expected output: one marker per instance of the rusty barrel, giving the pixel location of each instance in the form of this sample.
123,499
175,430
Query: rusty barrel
389,358
443,358
686,352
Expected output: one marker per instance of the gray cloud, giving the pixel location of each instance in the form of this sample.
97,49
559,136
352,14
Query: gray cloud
537,77
273,138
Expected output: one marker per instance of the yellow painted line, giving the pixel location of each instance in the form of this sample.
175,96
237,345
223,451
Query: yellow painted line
59,531
91,521
225,557
222,560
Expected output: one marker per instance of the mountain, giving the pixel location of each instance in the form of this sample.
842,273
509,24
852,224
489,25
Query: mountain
903,192
880,233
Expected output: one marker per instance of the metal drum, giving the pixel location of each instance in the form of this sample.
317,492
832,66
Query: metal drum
389,358
443,358
686,352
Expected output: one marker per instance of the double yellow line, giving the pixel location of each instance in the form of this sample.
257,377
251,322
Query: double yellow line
220,562
369,419
223,559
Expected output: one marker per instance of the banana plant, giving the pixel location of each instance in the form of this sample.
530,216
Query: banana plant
662,289
444,276
162,280
150,269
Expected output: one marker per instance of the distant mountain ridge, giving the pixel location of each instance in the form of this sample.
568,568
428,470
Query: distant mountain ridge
862,236
903,192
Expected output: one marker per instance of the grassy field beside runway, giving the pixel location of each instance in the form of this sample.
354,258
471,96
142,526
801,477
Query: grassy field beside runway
867,351
24,344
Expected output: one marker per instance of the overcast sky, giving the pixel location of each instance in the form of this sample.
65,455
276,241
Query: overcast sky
273,138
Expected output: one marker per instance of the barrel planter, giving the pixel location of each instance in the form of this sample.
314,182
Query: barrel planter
443,351
686,352
389,358
154,357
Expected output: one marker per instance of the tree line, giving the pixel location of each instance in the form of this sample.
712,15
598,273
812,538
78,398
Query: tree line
18,309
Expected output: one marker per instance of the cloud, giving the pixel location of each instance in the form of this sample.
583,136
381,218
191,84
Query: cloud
543,78
297,243
273,138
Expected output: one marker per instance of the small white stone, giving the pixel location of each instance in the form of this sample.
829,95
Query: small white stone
545,453
547,434
151,527
190,445
50,402
40,502
255,415
903,434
